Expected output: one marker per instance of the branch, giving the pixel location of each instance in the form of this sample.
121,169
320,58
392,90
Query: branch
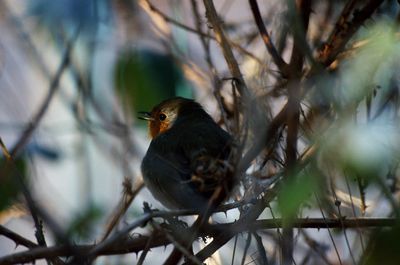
266,140
301,12
134,245
128,196
222,40
280,63
223,236
342,34
53,87
18,240
202,34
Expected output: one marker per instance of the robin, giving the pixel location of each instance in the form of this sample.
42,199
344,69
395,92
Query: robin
186,162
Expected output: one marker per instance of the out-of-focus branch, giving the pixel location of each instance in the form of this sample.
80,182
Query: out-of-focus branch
10,167
53,87
216,81
342,21
280,63
128,196
301,12
18,240
200,33
344,31
223,41
274,126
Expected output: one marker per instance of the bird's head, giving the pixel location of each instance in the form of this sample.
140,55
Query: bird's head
163,116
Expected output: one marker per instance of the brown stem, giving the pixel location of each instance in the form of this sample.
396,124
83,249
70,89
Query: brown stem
342,35
223,41
280,63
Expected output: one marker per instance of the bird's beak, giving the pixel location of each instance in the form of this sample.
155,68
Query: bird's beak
144,115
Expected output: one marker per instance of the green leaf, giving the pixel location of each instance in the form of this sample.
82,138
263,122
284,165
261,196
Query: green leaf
83,224
295,192
10,185
385,248
144,78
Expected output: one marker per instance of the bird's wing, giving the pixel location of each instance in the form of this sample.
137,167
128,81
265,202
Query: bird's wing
206,152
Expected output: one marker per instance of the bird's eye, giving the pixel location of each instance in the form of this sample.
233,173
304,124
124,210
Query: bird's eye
162,116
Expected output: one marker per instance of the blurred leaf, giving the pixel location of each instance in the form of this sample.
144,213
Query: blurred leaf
144,78
84,223
47,152
61,13
369,67
296,192
9,183
385,248
366,150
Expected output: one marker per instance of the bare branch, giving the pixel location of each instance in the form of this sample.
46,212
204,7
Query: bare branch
280,63
201,34
345,31
222,40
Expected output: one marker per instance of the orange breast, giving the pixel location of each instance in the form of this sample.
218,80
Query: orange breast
157,127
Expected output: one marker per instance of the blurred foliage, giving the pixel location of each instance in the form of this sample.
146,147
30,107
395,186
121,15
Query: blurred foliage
361,141
296,191
144,78
49,153
10,184
70,13
363,151
369,66
84,224
384,247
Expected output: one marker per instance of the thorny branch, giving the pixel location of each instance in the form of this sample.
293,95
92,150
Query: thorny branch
136,244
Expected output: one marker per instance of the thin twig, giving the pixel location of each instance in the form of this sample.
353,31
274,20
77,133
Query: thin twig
216,81
177,245
341,36
145,250
11,167
18,240
354,210
53,87
246,248
222,40
315,246
234,250
280,63
202,34
261,249
338,203
329,231
126,200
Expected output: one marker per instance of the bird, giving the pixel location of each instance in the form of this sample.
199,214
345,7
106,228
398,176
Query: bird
187,159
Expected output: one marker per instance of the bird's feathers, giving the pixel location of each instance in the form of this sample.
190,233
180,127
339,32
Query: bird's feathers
181,164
